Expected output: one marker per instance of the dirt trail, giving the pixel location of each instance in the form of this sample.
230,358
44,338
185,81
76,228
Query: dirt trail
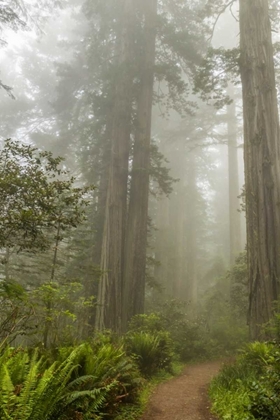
184,397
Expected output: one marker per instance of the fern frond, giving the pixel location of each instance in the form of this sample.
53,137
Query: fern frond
82,381
53,387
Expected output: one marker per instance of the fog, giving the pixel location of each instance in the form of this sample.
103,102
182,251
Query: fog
144,103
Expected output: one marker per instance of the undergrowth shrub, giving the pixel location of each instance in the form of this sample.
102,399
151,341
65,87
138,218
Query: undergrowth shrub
224,309
83,383
152,351
106,363
249,389
219,326
188,340
192,338
28,390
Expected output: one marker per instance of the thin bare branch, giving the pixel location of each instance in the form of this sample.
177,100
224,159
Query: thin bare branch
226,6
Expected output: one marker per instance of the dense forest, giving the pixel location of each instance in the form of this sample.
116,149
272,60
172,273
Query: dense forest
139,191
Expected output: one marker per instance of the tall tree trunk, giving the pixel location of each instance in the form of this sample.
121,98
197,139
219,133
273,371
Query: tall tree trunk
136,239
162,245
49,302
179,273
110,293
102,190
98,228
191,234
262,170
234,192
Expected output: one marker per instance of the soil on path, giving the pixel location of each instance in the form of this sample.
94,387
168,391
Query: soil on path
184,397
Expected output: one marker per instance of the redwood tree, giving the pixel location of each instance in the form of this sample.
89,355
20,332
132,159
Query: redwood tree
109,303
262,170
234,190
136,238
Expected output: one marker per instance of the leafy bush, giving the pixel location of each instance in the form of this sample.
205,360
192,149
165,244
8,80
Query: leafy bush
189,340
16,313
28,391
111,363
258,355
151,323
152,351
250,389
104,364
219,327
83,383
265,392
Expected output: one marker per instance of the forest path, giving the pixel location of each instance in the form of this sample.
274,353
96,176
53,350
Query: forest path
184,397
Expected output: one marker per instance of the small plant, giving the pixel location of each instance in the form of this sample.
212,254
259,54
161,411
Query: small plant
250,388
151,323
28,391
258,355
105,365
152,351
82,384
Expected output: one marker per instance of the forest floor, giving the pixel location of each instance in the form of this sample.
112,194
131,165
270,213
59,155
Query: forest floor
184,397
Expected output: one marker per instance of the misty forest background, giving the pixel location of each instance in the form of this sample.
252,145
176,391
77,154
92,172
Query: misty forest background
122,196
180,184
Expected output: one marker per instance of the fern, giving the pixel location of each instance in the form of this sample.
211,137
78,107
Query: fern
152,351
31,391
88,401
38,396
7,395
18,364
52,388
27,396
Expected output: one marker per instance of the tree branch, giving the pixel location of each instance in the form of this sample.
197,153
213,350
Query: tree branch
229,4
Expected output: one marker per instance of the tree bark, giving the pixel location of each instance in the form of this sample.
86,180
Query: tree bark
162,254
98,228
110,293
262,171
136,238
180,277
180,204
191,235
234,192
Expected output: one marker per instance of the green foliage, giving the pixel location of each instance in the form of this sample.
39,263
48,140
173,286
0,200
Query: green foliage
39,207
213,331
153,351
219,325
160,173
217,70
103,364
26,313
151,323
62,306
258,354
82,383
249,389
149,333
27,390
224,309
188,333
172,319
228,294
271,330
16,311
33,200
